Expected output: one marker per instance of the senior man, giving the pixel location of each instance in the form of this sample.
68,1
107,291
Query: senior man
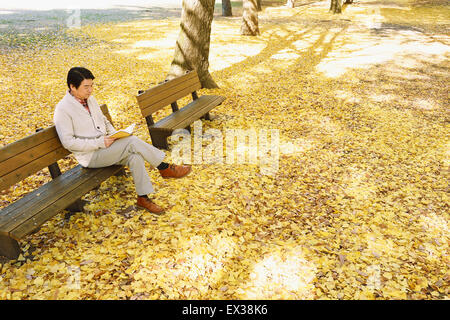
84,131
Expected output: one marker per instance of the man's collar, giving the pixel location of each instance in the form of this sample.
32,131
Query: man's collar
79,100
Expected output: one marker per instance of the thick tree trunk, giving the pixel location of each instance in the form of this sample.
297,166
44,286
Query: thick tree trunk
290,3
249,25
258,5
192,47
226,8
336,6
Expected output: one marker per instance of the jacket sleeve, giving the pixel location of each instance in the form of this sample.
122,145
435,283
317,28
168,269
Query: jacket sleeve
64,128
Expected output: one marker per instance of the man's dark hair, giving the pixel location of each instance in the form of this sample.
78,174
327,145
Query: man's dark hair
76,75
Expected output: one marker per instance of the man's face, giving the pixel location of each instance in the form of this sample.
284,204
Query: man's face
84,90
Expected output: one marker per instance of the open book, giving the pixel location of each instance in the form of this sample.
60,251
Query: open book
124,132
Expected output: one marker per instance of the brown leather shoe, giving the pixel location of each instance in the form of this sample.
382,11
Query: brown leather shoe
147,204
175,171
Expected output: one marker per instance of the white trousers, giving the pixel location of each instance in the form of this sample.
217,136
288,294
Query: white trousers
131,152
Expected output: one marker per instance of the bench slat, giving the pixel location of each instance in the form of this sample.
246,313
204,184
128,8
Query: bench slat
166,101
54,196
164,94
168,97
190,112
32,167
66,197
105,111
165,86
25,203
199,112
26,143
151,95
20,210
28,156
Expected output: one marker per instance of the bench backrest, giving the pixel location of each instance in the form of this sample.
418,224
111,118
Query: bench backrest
25,157
168,92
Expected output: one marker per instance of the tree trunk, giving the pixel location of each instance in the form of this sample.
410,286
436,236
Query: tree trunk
258,5
192,47
336,6
226,8
290,3
249,25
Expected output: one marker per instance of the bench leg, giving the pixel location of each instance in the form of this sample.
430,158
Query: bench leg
206,117
77,206
159,139
9,247
121,173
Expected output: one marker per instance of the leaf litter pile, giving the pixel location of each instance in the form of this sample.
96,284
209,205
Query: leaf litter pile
357,208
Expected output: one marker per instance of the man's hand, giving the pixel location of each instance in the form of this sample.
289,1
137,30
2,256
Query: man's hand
109,141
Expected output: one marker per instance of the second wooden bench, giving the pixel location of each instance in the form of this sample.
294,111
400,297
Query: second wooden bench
167,93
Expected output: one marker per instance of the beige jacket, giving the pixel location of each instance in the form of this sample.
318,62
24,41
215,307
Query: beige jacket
81,132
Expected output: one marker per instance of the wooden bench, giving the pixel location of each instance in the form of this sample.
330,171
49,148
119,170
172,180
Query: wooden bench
167,93
24,158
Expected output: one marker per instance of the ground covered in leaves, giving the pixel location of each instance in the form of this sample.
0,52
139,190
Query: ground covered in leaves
358,205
